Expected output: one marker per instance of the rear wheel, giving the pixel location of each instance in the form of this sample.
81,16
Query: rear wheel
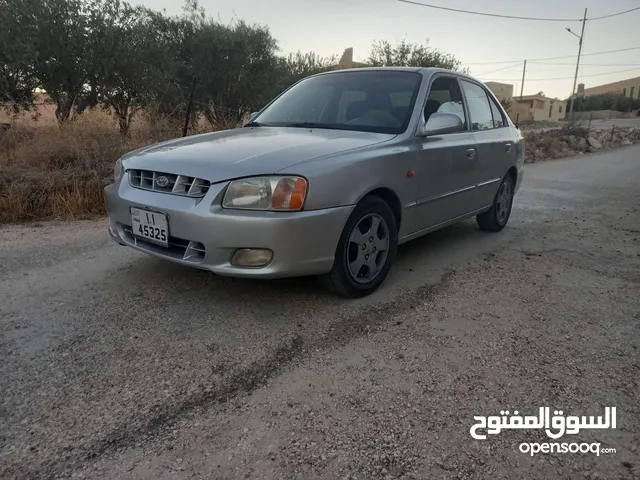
497,217
366,250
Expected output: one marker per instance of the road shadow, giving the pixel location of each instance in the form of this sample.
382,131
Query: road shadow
179,283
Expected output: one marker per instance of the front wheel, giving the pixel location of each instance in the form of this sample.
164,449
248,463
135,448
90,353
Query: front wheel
497,217
366,250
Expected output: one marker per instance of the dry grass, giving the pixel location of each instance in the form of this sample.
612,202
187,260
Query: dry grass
52,172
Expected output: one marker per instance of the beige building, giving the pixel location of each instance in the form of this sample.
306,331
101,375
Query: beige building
535,108
502,91
347,60
628,88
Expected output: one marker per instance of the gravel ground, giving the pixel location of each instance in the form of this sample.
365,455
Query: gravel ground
119,365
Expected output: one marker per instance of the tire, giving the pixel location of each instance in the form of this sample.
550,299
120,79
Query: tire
497,217
367,257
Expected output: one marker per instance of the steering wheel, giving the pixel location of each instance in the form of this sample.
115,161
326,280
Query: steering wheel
387,117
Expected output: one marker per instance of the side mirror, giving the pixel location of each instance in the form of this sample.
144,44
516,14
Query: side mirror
440,123
253,114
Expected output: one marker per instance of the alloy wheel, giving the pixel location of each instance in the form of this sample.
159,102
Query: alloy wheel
503,205
367,248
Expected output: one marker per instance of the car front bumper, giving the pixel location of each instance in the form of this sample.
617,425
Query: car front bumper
204,235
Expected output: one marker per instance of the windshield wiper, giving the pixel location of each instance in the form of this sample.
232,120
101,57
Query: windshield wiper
306,124
254,124
330,126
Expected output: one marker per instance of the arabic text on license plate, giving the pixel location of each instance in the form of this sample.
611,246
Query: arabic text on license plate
151,226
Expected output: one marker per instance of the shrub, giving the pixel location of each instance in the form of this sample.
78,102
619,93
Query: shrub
47,171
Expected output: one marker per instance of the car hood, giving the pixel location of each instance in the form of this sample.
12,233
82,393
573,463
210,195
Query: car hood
242,152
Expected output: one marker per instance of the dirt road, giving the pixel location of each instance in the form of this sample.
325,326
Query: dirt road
119,365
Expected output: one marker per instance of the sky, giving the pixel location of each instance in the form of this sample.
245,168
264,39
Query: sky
329,26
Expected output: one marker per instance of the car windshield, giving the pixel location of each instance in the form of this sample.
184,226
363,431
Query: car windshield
369,101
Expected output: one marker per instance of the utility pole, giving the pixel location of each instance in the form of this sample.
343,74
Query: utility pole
575,78
524,69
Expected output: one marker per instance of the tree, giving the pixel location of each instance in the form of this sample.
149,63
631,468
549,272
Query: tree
605,101
124,59
623,103
17,55
297,66
240,72
216,70
406,54
109,54
61,62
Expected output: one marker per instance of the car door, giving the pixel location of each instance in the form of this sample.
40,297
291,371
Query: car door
495,149
446,162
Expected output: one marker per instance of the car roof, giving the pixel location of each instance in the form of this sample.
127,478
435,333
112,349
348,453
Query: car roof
426,71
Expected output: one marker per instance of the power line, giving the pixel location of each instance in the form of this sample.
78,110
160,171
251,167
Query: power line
614,14
590,64
555,58
590,54
515,17
484,14
564,78
503,68
489,63
590,68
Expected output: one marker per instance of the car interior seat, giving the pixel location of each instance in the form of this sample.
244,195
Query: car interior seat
431,107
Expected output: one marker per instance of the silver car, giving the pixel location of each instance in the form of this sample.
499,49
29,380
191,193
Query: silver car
328,179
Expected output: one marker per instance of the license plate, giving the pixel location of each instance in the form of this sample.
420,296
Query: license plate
151,226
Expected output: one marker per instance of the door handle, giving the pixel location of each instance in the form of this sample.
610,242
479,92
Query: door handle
507,147
471,153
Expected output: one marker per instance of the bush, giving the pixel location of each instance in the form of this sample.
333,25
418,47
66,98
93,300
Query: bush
47,171
606,101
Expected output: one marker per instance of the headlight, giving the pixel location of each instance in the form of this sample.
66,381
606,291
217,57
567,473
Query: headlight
118,171
266,193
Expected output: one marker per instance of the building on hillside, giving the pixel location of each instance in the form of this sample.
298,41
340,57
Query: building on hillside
535,108
502,91
628,88
347,60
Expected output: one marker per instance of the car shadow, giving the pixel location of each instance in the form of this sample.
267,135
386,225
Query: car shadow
180,282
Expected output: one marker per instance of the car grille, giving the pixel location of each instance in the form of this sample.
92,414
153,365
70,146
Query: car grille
179,248
176,184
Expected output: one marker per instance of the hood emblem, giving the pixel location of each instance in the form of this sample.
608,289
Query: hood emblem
162,181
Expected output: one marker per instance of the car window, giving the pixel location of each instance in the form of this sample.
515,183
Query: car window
498,118
479,107
372,101
347,99
400,99
312,109
445,96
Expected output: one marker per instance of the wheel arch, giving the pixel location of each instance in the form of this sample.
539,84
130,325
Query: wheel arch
391,198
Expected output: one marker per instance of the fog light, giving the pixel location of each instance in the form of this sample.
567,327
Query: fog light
251,257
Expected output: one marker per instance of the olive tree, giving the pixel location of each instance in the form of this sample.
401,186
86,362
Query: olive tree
214,70
18,79
125,59
61,63
406,54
